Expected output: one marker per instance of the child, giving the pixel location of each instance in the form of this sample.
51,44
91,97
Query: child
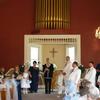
60,83
25,82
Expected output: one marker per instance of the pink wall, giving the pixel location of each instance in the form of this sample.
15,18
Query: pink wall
85,18
17,18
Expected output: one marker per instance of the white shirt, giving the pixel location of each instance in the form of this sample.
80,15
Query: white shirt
68,67
91,75
75,75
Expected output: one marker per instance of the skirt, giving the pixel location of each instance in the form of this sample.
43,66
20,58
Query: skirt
25,83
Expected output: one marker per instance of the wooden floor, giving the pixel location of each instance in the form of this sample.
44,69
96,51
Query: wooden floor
40,96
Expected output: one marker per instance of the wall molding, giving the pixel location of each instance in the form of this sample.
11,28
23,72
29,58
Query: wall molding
52,39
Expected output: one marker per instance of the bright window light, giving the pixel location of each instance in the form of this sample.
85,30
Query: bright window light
34,54
71,53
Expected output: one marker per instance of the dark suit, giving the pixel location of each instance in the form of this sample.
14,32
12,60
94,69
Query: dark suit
48,73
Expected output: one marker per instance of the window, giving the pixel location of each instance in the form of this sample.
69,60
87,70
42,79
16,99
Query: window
70,51
34,54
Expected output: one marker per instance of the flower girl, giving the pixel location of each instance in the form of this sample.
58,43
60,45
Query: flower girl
25,82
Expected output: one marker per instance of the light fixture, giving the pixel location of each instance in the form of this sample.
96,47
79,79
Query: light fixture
97,33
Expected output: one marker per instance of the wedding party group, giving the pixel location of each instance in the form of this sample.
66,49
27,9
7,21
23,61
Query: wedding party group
78,82
74,82
25,79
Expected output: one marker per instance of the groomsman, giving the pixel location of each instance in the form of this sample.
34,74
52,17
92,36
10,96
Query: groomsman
91,73
75,74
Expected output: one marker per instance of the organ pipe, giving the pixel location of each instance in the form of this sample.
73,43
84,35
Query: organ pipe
52,14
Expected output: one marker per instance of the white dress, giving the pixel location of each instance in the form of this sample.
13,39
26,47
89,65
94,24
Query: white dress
60,84
25,83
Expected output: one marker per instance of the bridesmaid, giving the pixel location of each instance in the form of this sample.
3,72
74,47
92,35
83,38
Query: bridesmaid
17,76
34,77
